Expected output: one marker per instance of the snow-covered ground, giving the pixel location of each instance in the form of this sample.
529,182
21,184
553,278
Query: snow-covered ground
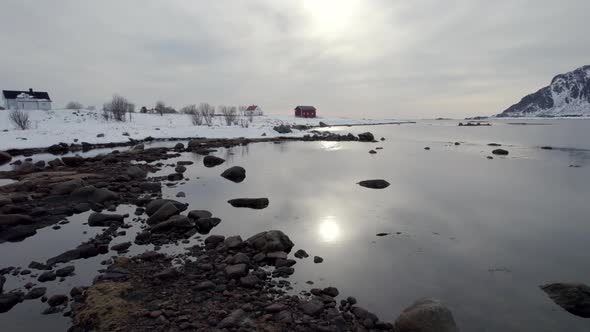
51,127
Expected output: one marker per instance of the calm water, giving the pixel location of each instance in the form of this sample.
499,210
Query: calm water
479,234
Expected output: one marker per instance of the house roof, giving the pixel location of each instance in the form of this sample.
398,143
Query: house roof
305,108
252,108
13,94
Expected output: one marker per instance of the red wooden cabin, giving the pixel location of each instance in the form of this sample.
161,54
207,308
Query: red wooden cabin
305,111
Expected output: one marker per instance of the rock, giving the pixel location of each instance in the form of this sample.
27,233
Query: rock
271,241
374,184
163,213
249,281
57,300
39,266
4,200
212,161
60,148
86,250
236,271
139,147
198,214
35,293
104,220
181,222
382,234
324,125
65,271
150,186
275,307
313,307
253,203
167,274
427,148
500,152
331,291
4,157
181,194
204,225
317,259
121,246
236,174
234,319
179,146
9,300
100,135
136,173
180,169
573,297
233,242
2,281
11,220
74,161
156,204
214,239
47,276
205,285
372,151
547,147
426,315
282,129
366,137
175,177
93,195
301,254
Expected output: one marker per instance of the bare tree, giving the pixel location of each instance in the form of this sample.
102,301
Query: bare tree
117,108
195,115
208,113
74,105
229,113
242,110
160,108
20,119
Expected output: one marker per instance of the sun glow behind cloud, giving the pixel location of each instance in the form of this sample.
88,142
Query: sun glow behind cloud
331,18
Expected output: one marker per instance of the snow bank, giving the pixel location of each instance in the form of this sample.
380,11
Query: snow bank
51,127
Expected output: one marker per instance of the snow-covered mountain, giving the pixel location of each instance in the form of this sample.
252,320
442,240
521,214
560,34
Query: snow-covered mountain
567,95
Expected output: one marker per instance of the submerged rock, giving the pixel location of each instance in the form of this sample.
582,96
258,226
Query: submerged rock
104,220
212,161
253,203
236,174
573,297
426,315
163,213
374,184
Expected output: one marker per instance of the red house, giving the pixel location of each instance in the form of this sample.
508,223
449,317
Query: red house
305,111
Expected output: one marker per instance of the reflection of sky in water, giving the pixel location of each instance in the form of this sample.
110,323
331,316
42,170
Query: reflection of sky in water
331,146
329,229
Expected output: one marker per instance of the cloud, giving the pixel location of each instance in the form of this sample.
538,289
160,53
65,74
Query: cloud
415,59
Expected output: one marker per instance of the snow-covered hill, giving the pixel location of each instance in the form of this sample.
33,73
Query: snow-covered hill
51,127
567,95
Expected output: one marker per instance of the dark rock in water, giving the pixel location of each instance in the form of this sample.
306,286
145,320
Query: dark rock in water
214,239
204,225
573,297
427,315
313,307
60,148
104,220
65,271
163,213
180,169
271,241
83,251
4,158
323,124
35,293
427,148
382,234
121,246
100,135
236,271
198,214
236,174
500,152
175,177
457,143
9,300
47,276
331,291
212,161
156,204
317,259
11,220
366,137
136,172
74,161
234,319
374,184
178,222
181,194
253,203
494,144
57,300
372,151
179,146
490,157
2,281
301,254
282,129
39,266
547,147
139,147
93,195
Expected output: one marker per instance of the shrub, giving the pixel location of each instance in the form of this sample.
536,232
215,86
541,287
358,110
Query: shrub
117,108
20,119
74,105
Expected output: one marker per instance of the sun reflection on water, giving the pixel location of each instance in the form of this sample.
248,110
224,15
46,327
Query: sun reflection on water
331,146
329,229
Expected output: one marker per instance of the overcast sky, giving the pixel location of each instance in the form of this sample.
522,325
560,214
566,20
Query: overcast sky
373,58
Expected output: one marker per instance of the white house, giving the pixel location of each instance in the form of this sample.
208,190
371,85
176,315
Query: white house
253,110
26,100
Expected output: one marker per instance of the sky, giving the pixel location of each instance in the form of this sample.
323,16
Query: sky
354,58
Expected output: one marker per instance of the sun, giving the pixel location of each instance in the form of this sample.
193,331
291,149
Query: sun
331,18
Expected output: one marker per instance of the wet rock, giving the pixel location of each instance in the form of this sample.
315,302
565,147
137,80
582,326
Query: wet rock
2,281
205,285
136,172
494,144
150,186
181,194
178,146
324,125
175,177
163,213
139,147
236,174
573,297
65,271
212,161
60,148
4,200
252,203
249,281
233,242
500,152
427,315
39,266
214,239
57,300
4,157
547,147
317,259
199,214
8,301
374,184
181,222
83,251
236,271
301,254
156,204
11,220
204,225
66,187
35,293
47,276
331,291
180,169
271,241
366,137
104,220
313,307
426,148
100,135
74,161
234,319
167,274
282,129
93,195
82,207
121,246
372,151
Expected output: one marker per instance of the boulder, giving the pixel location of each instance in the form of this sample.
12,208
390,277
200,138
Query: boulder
500,152
12,220
199,214
121,246
236,174
9,300
60,148
4,157
86,250
426,315
181,222
163,213
212,161
104,220
93,195
35,293
282,129
178,146
301,254
39,266
180,169
65,271
138,147
204,225
572,297
66,187
270,241
313,307
236,271
234,319
175,177
374,184
74,161
57,300
156,204
366,137
2,281
136,172
252,203
47,276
